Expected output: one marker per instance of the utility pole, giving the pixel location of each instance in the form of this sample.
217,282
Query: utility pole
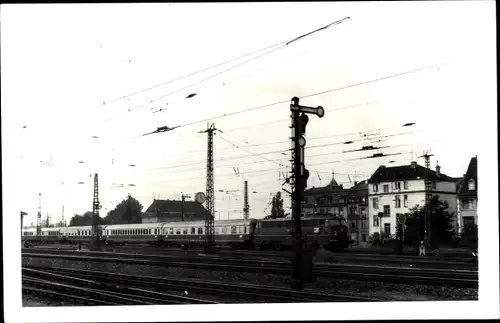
300,174
209,221
428,197
96,234
246,208
39,218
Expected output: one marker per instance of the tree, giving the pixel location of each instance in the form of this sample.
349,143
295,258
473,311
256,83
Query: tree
441,224
84,220
277,207
127,211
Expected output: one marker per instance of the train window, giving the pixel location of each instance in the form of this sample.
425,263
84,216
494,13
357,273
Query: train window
178,231
224,230
233,229
193,230
200,230
185,231
170,230
245,229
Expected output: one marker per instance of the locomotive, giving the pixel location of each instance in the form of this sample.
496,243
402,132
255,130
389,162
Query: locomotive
327,231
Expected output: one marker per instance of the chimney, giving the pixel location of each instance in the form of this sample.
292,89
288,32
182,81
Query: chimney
355,183
414,165
341,186
438,170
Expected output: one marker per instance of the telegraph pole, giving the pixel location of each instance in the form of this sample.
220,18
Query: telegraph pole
209,221
246,208
300,174
95,210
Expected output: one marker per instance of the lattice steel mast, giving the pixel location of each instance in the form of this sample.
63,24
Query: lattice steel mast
246,207
39,218
95,210
209,221
428,198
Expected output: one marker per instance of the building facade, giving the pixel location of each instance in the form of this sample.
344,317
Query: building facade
174,211
396,190
357,217
467,198
330,199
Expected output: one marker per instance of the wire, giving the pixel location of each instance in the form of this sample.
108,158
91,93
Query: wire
281,44
316,94
275,151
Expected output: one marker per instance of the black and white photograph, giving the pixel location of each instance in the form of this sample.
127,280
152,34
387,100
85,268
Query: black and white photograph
249,161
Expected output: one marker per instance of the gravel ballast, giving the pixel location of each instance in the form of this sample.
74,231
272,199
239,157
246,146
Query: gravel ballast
379,290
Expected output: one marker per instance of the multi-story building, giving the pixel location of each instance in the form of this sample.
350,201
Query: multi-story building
395,190
330,199
467,197
357,217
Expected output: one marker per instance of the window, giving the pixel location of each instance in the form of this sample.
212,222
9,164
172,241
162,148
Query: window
405,185
353,225
387,210
184,230
363,238
375,202
468,221
398,201
434,185
405,199
193,230
472,185
233,229
375,220
224,230
375,188
178,231
387,228
341,211
200,230
469,205
362,224
398,185
386,188
245,230
362,211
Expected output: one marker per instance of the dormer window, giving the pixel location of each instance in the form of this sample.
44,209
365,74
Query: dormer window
472,185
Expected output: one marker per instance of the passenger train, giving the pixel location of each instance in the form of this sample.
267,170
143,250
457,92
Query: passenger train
328,231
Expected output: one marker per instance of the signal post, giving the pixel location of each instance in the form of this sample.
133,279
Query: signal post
302,267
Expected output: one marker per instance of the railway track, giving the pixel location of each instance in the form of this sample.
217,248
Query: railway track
413,261
459,278
89,292
145,288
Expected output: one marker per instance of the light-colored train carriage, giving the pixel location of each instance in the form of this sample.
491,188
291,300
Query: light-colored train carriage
28,234
76,235
132,233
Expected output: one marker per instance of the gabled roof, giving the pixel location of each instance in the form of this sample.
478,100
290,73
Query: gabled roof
405,172
471,174
173,206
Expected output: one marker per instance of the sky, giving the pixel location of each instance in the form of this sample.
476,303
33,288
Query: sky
71,72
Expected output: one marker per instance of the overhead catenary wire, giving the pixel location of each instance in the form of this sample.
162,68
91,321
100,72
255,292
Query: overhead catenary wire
270,49
316,94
